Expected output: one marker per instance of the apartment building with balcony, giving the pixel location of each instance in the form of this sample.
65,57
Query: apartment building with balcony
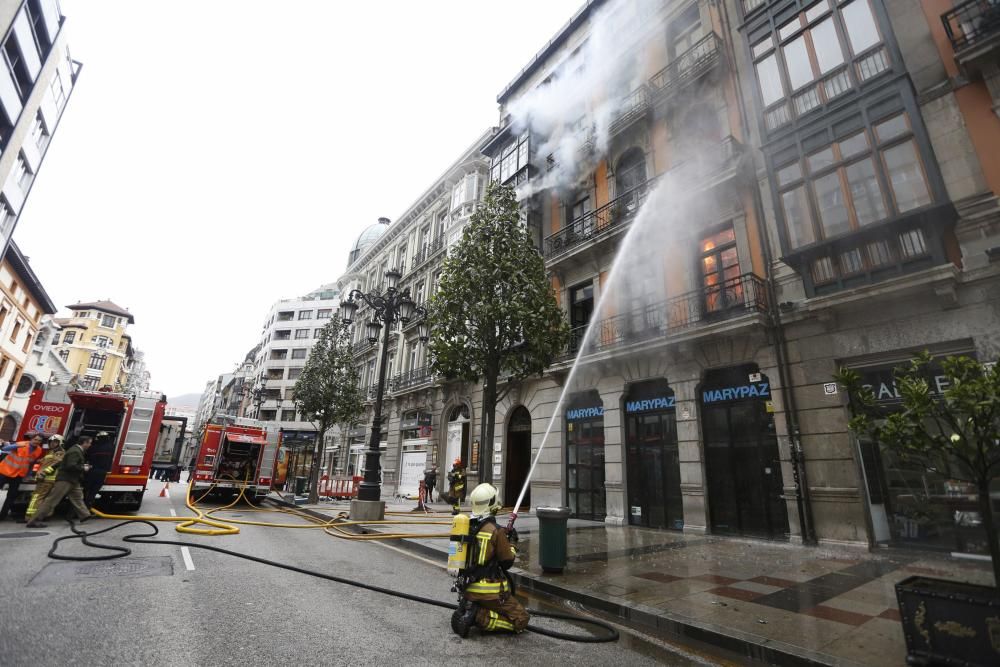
95,345
425,420
36,80
878,170
670,420
24,307
290,329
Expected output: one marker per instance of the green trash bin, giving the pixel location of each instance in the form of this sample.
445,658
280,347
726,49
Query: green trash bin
300,486
552,538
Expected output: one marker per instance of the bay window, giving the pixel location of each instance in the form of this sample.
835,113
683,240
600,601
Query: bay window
804,64
859,180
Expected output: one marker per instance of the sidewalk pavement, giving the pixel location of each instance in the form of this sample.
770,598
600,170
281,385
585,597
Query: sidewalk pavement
771,601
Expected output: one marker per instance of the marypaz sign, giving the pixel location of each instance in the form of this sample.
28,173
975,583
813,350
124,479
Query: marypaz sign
750,390
648,404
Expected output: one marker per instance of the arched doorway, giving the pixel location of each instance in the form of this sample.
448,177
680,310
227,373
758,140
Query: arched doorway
518,457
8,427
457,444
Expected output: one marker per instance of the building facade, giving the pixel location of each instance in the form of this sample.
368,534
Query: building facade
290,329
878,171
95,346
424,418
24,304
38,78
732,203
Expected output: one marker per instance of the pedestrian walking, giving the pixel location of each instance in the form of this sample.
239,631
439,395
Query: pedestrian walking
15,467
45,478
68,484
430,480
99,457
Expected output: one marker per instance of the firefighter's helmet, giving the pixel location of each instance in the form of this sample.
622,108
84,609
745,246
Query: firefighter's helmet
458,463
484,501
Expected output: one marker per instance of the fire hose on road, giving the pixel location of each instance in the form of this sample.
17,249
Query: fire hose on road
218,527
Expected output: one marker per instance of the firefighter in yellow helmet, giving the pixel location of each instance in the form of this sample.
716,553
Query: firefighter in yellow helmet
456,477
45,478
487,591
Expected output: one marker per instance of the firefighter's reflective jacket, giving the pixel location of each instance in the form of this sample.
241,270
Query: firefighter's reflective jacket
490,556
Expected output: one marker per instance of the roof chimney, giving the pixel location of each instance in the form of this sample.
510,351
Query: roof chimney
383,221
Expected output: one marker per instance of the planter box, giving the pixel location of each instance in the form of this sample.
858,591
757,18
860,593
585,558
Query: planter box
949,623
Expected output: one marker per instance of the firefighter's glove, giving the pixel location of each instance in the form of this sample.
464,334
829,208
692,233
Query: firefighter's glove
512,535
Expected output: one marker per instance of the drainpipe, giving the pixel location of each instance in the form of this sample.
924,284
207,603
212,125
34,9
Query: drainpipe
802,500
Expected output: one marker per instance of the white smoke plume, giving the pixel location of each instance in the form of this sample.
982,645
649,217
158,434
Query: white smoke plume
572,113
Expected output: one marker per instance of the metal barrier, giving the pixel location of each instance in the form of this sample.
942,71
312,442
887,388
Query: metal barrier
340,487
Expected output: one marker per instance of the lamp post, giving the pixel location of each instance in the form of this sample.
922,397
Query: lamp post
388,307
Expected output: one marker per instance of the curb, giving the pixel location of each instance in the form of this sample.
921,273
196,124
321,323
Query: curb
641,617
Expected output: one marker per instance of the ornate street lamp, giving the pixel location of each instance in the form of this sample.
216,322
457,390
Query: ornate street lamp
388,307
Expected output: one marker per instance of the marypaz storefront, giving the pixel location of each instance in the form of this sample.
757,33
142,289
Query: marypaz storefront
652,468
742,461
585,456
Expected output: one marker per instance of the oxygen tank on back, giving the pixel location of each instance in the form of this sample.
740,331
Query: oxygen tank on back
458,545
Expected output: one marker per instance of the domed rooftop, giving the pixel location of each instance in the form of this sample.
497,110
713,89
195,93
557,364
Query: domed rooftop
367,238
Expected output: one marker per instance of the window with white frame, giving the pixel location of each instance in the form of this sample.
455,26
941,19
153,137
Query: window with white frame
7,218
301,334
22,173
305,314
300,353
102,341
39,133
108,321
511,160
97,361
324,313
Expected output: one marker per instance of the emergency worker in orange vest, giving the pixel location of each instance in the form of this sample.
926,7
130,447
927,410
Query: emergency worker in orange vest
45,478
14,468
488,598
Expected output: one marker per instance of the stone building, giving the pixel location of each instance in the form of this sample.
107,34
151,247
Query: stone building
95,345
425,420
878,174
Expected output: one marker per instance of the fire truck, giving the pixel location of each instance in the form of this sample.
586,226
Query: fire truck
236,453
132,422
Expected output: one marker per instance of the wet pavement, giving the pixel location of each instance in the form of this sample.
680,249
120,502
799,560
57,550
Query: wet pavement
773,601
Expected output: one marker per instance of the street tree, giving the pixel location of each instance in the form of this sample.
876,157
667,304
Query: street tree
327,392
955,433
494,313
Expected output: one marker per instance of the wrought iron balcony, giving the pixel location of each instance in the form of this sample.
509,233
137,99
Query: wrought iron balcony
428,250
743,295
598,222
973,23
363,347
688,66
411,379
633,107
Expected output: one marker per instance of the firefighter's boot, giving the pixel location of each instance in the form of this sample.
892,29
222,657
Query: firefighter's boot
464,618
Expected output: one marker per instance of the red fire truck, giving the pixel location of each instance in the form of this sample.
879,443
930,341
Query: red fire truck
131,421
239,453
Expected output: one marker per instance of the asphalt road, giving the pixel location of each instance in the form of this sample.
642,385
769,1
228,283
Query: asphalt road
159,607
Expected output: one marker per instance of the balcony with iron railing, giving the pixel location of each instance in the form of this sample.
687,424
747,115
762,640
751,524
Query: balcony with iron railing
633,108
973,28
427,251
688,67
715,164
411,379
674,317
599,223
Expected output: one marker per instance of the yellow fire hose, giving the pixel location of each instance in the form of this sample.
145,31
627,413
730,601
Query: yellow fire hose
230,526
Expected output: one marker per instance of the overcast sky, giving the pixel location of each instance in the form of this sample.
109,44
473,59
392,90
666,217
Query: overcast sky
219,155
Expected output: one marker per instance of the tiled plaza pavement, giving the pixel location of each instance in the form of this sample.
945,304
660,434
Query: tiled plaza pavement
796,604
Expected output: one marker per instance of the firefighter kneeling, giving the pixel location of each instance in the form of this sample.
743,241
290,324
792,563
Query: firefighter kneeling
481,554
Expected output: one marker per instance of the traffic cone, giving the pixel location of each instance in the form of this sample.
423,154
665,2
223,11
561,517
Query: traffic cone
163,492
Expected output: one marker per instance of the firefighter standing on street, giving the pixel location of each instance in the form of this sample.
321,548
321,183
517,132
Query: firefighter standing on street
14,468
456,478
487,592
45,478
67,485
99,457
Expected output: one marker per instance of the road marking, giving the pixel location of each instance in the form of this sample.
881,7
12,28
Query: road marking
173,512
186,553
